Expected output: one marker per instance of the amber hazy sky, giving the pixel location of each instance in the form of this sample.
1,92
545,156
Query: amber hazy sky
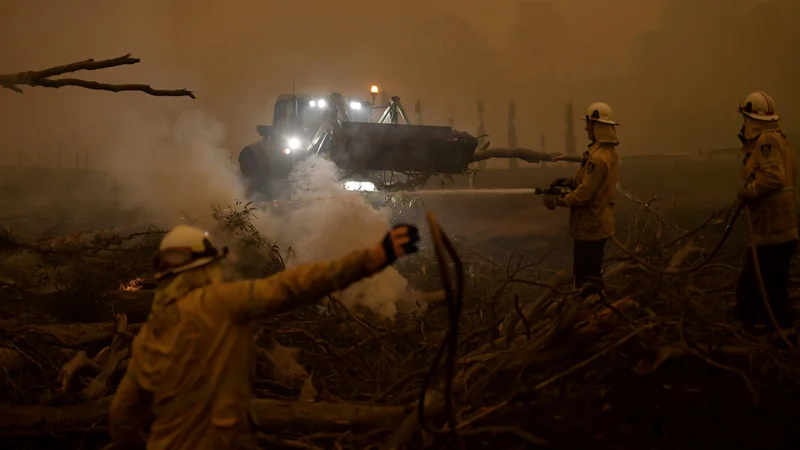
673,75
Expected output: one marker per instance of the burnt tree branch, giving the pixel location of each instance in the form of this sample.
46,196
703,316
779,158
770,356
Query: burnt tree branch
525,154
43,78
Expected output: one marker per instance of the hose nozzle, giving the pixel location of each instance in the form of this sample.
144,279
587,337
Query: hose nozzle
555,190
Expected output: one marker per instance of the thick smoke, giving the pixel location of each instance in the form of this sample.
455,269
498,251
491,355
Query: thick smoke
322,221
176,172
167,170
157,170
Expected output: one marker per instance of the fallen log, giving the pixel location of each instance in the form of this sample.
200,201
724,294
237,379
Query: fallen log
72,334
80,362
136,305
285,368
411,426
111,358
11,360
68,307
18,420
274,414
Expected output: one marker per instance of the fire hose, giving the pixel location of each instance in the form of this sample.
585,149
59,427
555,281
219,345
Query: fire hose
690,269
761,286
454,296
556,190
728,228
751,247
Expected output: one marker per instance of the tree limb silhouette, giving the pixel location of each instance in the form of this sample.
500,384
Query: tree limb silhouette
42,78
527,155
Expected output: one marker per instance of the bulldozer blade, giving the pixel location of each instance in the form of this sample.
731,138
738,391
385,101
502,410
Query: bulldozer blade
402,148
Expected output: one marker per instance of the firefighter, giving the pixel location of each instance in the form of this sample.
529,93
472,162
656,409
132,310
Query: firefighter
190,369
591,200
769,172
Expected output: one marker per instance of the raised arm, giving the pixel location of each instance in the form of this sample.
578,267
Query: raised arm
305,284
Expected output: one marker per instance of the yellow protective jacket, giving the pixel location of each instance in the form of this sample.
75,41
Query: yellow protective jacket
770,172
591,204
191,363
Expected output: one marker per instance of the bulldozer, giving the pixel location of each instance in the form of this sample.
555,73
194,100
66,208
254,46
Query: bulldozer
346,131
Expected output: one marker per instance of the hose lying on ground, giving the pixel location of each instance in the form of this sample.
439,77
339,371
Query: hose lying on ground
454,296
761,286
707,259
648,266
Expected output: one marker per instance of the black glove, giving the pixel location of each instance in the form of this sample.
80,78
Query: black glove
564,182
401,241
741,136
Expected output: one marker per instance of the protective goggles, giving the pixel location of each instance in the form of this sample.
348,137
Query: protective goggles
175,257
748,109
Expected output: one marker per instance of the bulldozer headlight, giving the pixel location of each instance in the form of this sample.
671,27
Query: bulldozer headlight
294,143
364,186
322,103
355,105
286,151
312,103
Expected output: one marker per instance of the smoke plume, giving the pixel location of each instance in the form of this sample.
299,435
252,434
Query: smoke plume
323,221
175,172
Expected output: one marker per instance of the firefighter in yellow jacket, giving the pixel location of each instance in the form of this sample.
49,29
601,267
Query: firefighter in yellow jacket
769,172
190,370
591,200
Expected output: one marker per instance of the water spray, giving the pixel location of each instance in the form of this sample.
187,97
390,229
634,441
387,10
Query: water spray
431,193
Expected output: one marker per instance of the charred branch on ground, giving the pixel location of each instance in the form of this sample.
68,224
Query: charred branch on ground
526,346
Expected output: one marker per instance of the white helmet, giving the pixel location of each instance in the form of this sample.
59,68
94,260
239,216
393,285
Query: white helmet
185,248
759,106
600,112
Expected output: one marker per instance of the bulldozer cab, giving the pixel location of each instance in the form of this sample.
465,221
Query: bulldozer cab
297,114
295,119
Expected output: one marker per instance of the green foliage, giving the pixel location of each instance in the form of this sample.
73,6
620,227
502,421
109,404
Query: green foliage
237,221
257,255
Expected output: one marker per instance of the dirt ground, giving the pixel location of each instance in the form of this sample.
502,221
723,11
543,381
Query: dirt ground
700,397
